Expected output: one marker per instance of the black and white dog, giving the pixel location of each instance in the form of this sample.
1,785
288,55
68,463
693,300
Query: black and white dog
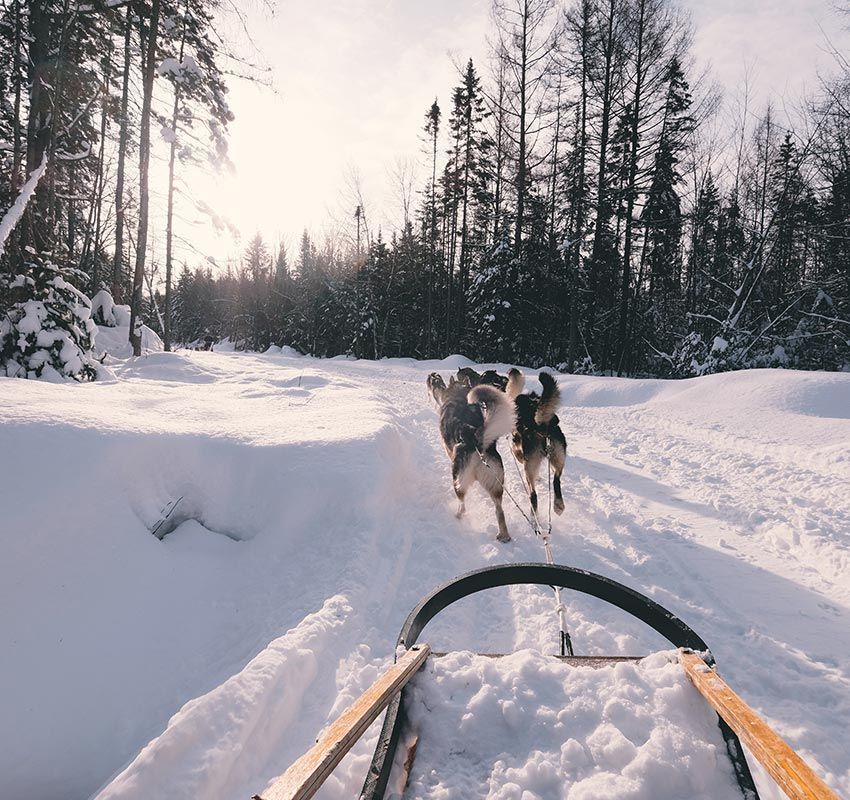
538,434
471,421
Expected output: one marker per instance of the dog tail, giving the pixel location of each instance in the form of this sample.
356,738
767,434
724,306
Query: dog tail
549,400
516,383
499,413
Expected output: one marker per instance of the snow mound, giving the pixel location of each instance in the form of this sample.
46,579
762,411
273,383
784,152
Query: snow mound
217,743
455,362
105,311
816,394
283,350
114,341
527,725
162,366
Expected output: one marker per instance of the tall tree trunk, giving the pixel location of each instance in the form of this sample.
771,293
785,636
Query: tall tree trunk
631,192
500,151
602,198
17,144
72,214
120,205
464,233
432,260
38,123
60,76
522,155
15,182
579,217
169,223
144,168
91,241
553,189
100,181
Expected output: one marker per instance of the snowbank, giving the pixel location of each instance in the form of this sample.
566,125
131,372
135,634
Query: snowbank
217,744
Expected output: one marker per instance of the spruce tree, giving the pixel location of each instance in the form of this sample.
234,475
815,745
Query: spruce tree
47,330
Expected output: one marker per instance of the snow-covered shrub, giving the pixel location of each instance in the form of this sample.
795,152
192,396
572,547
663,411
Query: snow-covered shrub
103,309
46,331
694,356
107,313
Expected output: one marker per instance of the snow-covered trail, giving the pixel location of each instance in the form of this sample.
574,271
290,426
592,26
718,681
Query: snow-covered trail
724,498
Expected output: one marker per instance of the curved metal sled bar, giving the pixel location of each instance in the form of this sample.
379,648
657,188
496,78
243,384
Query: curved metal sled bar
580,580
657,617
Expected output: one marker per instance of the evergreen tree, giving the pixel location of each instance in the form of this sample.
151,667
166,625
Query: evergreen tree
47,330
468,157
662,218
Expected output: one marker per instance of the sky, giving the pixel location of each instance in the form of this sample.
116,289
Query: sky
352,81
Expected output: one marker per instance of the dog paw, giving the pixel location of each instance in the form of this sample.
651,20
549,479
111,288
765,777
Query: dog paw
559,505
503,537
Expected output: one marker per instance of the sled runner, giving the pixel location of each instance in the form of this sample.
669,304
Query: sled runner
736,720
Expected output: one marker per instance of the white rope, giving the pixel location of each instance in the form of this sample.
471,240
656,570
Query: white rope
560,608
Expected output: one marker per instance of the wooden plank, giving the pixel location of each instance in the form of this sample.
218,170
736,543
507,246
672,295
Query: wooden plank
303,779
790,772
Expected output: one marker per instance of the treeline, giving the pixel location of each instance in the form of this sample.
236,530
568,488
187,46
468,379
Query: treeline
77,104
589,205
590,202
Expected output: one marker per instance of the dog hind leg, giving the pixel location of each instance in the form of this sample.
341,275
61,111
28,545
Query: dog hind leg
492,477
463,476
532,467
557,458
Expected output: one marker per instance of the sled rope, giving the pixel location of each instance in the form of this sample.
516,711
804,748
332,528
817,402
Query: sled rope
565,641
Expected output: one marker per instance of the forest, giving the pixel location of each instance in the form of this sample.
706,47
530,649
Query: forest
591,202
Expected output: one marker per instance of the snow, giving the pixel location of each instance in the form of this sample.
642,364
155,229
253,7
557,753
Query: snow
180,70
528,726
14,214
103,309
114,340
231,721
315,510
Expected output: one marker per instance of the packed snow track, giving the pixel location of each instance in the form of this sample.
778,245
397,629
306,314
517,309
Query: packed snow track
313,509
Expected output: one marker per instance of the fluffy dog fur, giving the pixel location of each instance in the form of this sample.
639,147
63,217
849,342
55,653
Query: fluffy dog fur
471,421
538,434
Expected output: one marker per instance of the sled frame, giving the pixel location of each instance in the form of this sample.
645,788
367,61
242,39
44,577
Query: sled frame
634,603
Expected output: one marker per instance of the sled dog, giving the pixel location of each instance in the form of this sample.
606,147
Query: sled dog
537,434
469,377
471,421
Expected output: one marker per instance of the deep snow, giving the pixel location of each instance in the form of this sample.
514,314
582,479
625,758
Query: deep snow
527,723
318,510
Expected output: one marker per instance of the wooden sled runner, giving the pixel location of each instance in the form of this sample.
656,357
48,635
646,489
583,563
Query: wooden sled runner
737,721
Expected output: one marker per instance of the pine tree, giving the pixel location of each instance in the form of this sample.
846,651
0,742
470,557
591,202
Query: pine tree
662,216
432,131
47,330
470,167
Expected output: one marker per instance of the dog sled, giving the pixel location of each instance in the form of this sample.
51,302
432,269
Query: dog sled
397,746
